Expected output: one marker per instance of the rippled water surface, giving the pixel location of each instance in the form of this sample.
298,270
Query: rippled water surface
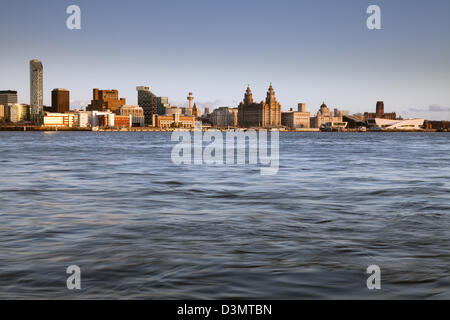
141,227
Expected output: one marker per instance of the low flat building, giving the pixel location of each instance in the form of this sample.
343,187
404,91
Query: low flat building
68,120
174,121
437,125
399,124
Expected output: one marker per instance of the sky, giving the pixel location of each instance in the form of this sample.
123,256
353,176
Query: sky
310,50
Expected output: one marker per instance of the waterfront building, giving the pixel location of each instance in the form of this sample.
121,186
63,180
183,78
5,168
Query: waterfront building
395,124
173,110
3,113
196,112
151,104
224,117
437,125
54,119
296,119
380,113
83,118
136,112
104,100
354,121
334,126
60,100
324,115
8,97
19,113
174,121
162,104
123,121
265,114
36,91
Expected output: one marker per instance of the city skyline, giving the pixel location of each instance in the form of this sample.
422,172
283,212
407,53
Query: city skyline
321,52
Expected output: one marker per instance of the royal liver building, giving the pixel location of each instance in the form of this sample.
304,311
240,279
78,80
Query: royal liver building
36,91
266,114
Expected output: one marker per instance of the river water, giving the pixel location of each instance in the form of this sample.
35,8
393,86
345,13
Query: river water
141,227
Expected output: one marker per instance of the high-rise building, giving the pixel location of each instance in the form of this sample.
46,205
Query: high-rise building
36,91
8,97
105,100
60,100
151,104
266,114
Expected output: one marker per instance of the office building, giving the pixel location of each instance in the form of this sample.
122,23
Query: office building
19,113
224,117
8,97
151,104
296,119
36,91
104,100
136,112
60,100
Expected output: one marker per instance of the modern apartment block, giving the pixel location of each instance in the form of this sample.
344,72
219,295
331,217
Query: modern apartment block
104,100
36,91
60,100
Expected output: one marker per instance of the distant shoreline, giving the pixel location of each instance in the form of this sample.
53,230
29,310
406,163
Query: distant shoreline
150,129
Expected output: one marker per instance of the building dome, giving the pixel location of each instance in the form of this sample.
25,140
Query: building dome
323,106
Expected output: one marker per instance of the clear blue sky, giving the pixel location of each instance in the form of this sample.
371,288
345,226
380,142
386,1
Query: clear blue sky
310,50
